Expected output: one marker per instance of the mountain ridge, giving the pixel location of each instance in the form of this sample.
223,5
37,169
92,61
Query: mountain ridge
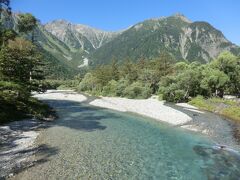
182,38
73,46
96,37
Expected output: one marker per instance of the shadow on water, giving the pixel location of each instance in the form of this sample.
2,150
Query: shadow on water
80,116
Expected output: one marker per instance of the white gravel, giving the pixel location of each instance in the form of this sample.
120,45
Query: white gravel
66,95
151,107
148,107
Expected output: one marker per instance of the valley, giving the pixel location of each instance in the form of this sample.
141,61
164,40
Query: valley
159,99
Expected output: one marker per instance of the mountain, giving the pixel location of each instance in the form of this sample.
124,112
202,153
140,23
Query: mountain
72,43
77,36
68,47
177,35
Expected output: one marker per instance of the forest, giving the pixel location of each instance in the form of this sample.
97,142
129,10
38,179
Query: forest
170,80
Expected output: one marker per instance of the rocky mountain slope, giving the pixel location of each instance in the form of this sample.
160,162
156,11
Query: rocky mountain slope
183,39
77,36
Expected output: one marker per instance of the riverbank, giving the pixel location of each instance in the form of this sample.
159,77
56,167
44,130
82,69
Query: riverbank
229,108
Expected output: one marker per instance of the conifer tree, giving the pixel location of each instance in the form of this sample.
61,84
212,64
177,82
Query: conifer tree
27,23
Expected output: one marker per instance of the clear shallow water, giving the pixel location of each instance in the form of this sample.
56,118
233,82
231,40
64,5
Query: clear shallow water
92,143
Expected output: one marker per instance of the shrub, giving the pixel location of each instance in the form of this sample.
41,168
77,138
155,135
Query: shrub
137,90
110,89
88,83
173,95
121,86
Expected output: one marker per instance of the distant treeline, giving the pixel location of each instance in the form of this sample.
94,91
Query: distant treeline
174,82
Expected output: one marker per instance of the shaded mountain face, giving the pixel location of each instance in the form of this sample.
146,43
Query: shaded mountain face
183,39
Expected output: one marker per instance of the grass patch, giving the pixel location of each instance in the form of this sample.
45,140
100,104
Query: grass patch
227,108
224,101
232,112
201,103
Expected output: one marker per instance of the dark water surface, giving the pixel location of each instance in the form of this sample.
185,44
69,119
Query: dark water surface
94,143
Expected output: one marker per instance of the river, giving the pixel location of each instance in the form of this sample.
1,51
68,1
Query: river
86,142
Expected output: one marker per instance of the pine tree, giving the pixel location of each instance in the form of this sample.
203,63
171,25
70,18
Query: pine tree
27,23
21,63
114,70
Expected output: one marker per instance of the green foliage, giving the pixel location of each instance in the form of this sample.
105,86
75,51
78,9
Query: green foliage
181,66
137,91
27,108
20,62
21,71
214,81
122,85
181,86
232,112
227,108
52,83
200,102
128,71
68,84
174,82
89,83
26,22
216,100
110,89
5,35
132,80
230,65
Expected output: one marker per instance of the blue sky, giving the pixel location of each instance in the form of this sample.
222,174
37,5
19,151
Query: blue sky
115,15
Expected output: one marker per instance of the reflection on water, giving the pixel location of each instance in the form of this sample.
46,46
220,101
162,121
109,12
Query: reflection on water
94,143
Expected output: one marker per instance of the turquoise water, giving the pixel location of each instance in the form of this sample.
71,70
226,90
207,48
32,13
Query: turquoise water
92,143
